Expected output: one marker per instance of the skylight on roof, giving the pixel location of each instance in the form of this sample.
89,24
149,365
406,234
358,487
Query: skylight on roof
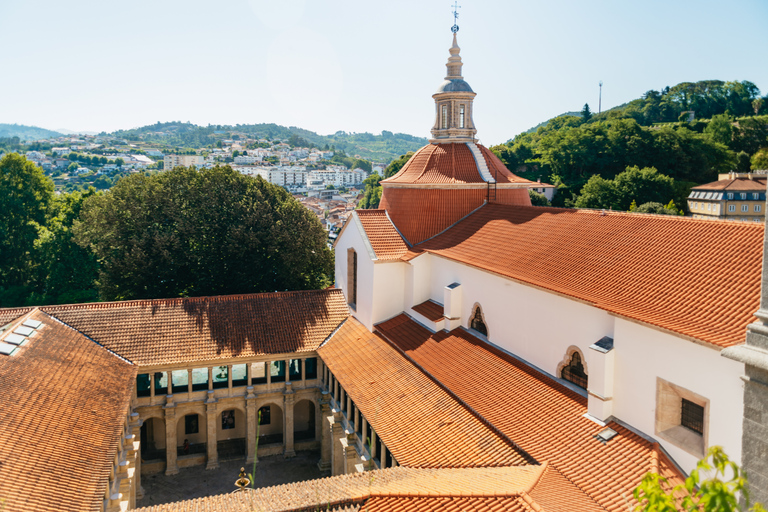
606,435
34,324
6,348
24,331
14,339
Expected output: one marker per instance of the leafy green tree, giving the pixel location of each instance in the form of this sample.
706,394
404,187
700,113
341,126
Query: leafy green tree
188,232
538,199
371,193
757,105
743,163
760,160
72,167
720,129
25,198
119,162
640,185
657,208
714,486
586,114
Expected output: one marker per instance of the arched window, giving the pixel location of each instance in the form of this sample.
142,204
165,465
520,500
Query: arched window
477,322
444,117
352,278
574,371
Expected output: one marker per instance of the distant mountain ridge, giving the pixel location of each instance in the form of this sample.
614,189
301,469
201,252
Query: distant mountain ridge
26,133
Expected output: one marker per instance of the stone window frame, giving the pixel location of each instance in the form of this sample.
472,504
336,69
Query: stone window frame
668,418
573,349
475,308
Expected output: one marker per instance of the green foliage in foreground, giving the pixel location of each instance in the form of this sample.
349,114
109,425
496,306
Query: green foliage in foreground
633,185
714,486
189,232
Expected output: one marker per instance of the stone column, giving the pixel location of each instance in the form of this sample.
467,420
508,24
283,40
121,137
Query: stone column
289,398
337,447
212,433
287,370
251,419
134,428
229,379
189,383
350,454
269,374
210,379
171,468
383,456
304,372
326,432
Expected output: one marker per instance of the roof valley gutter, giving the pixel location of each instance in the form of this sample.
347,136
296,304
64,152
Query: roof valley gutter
485,202
93,340
386,213
527,456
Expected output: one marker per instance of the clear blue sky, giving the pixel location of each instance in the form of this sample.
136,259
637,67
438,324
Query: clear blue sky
358,65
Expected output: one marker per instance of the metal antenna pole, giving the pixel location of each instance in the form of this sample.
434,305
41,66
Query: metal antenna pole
600,100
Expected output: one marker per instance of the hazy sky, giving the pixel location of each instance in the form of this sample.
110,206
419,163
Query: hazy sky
357,65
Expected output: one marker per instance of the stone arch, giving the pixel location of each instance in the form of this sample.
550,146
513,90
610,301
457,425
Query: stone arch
271,428
153,438
230,432
191,434
477,320
305,417
573,367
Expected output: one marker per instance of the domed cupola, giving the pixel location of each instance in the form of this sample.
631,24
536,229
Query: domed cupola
453,104
453,175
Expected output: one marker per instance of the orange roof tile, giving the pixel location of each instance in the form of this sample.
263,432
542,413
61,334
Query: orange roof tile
451,163
385,240
418,421
539,414
166,331
422,213
431,310
735,185
676,273
405,489
63,404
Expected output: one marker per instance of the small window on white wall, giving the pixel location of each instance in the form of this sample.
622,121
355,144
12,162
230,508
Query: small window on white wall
682,417
477,321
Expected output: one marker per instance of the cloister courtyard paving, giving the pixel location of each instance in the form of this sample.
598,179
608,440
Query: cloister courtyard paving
196,481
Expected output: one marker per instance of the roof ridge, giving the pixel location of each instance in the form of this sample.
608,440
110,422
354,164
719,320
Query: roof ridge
528,457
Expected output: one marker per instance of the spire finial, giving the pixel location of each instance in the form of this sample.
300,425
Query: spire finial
456,7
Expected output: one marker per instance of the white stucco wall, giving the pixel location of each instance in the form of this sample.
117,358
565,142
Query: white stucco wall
643,354
352,237
389,283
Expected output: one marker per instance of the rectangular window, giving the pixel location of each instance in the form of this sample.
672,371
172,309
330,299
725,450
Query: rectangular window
444,116
755,196
265,415
161,383
311,369
191,424
743,195
142,384
731,207
461,116
277,371
352,277
745,207
258,373
709,206
220,377
199,379
180,379
692,416
239,375
758,207
294,370
730,195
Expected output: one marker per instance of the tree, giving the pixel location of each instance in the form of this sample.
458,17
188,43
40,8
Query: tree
634,184
586,114
72,167
705,490
189,232
720,129
760,160
743,163
538,199
371,193
757,105
119,162
657,208
397,164
25,199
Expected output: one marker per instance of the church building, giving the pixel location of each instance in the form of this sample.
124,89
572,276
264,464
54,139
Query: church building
476,353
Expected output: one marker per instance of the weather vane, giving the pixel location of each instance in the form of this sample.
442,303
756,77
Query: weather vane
456,7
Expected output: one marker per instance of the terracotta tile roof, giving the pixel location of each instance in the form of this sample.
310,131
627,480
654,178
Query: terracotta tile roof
543,417
418,421
422,213
63,404
623,263
431,310
404,489
165,331
385,240
451,163
735,185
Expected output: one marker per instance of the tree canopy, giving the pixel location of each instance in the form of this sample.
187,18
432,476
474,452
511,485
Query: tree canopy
633,185
190,232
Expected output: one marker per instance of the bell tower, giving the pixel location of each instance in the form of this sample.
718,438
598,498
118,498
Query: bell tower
453,102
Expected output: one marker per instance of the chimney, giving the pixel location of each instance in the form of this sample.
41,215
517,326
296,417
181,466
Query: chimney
600,361
452,307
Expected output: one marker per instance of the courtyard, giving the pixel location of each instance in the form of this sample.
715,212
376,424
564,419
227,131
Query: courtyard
196,482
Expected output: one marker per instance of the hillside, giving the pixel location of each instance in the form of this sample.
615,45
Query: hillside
25,133
378,148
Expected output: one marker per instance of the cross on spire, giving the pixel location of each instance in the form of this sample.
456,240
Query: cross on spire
456,7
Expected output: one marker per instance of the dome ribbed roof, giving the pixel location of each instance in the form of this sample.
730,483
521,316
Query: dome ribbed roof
454,85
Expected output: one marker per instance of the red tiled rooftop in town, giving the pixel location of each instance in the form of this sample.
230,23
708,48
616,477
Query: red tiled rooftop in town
735,185
623,263
386,241
430,309
543,417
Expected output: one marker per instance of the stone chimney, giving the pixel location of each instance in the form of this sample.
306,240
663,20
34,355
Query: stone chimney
754,355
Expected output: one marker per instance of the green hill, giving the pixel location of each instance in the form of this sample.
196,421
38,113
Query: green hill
25,133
